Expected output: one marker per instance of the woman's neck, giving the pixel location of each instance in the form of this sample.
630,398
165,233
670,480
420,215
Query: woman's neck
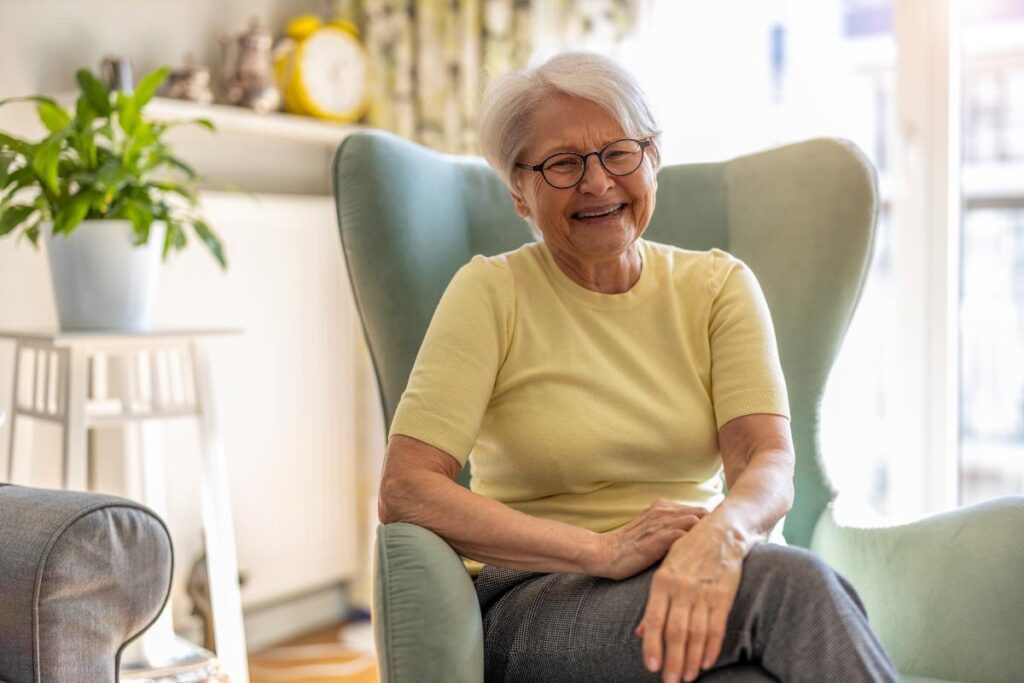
611,276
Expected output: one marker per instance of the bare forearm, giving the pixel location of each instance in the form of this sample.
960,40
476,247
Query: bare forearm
758,499
484,529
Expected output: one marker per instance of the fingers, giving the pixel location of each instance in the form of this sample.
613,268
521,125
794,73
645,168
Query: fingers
677,630
653,622
717,621
682,628
690,521
695,639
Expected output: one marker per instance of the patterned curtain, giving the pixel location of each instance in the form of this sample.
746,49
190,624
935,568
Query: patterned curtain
432,58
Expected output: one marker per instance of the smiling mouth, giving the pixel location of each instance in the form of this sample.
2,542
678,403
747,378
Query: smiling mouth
594,215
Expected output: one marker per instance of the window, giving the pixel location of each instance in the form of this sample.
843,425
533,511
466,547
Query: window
925,406
991,440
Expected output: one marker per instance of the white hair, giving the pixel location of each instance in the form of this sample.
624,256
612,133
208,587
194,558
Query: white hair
506,114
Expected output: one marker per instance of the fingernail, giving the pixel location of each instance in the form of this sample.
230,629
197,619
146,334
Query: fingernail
652,663
671,678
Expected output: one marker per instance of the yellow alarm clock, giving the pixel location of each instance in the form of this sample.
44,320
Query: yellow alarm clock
323,69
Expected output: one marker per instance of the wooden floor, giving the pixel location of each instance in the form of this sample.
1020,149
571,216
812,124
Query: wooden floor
317,657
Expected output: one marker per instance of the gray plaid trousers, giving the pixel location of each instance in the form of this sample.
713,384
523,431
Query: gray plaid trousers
794,619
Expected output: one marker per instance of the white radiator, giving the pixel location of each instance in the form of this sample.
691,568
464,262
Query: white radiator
286,390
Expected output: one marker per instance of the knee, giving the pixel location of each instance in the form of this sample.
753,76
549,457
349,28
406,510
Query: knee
791,565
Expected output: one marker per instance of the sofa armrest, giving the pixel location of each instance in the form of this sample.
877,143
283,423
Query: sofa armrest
426,615
944,593
81,575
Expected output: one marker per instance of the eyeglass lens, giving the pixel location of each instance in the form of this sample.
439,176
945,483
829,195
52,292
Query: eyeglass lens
619,158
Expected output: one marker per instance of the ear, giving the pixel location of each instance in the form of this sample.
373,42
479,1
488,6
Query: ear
522,208
654,176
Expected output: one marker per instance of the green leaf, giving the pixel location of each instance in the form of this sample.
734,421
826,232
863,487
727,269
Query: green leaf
95,91
212,241
173,227
162,210
175,188
23,147
11,100
164,126
26,98
141,141
17,180
181,166
84,113
32,232
148,86
13,216
68,218
83,177
141,217
112,176
127,113
53,115
45,162
6,159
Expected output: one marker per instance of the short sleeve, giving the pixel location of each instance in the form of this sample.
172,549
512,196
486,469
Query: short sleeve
746,374
453,377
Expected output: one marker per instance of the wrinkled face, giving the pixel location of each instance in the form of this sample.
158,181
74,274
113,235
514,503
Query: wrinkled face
567,124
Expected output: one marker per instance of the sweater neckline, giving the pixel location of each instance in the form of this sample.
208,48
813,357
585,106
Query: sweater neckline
609,302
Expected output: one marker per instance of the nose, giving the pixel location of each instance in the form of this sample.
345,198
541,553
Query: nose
595,180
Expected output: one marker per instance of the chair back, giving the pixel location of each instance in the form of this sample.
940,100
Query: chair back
801,216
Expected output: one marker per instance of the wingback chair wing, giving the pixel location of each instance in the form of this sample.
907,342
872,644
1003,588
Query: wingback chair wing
943,594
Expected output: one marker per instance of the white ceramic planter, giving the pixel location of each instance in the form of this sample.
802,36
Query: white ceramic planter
101,281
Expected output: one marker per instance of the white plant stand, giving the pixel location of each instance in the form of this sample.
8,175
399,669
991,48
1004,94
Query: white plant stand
163,375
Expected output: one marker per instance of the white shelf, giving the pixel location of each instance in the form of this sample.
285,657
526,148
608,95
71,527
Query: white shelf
229,119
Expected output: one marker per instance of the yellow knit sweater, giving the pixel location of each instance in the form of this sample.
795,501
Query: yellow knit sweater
584,407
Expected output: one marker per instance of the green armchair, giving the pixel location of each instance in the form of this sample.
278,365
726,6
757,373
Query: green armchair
943,594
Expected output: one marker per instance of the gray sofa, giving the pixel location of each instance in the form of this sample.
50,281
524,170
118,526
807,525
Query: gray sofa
81,575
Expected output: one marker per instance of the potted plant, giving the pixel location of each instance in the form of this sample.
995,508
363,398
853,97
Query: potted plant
108,198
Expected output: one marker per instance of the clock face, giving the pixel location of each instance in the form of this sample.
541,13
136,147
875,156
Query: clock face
333,71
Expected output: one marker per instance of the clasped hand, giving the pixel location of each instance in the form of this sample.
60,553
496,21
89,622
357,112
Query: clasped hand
688,606
637,545
691,593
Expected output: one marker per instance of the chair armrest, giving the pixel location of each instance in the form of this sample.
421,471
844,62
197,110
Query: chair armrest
943,594
426,614
81,575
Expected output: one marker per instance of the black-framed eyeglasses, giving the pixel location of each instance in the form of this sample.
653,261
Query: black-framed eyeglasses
563,170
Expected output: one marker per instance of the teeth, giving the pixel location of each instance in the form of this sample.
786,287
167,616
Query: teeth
600,213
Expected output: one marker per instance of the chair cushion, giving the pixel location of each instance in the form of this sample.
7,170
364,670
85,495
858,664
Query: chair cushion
942,593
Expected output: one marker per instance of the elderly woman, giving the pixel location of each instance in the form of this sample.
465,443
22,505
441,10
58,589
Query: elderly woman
602,384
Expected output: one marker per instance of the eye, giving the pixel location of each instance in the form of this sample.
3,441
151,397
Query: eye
563,164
